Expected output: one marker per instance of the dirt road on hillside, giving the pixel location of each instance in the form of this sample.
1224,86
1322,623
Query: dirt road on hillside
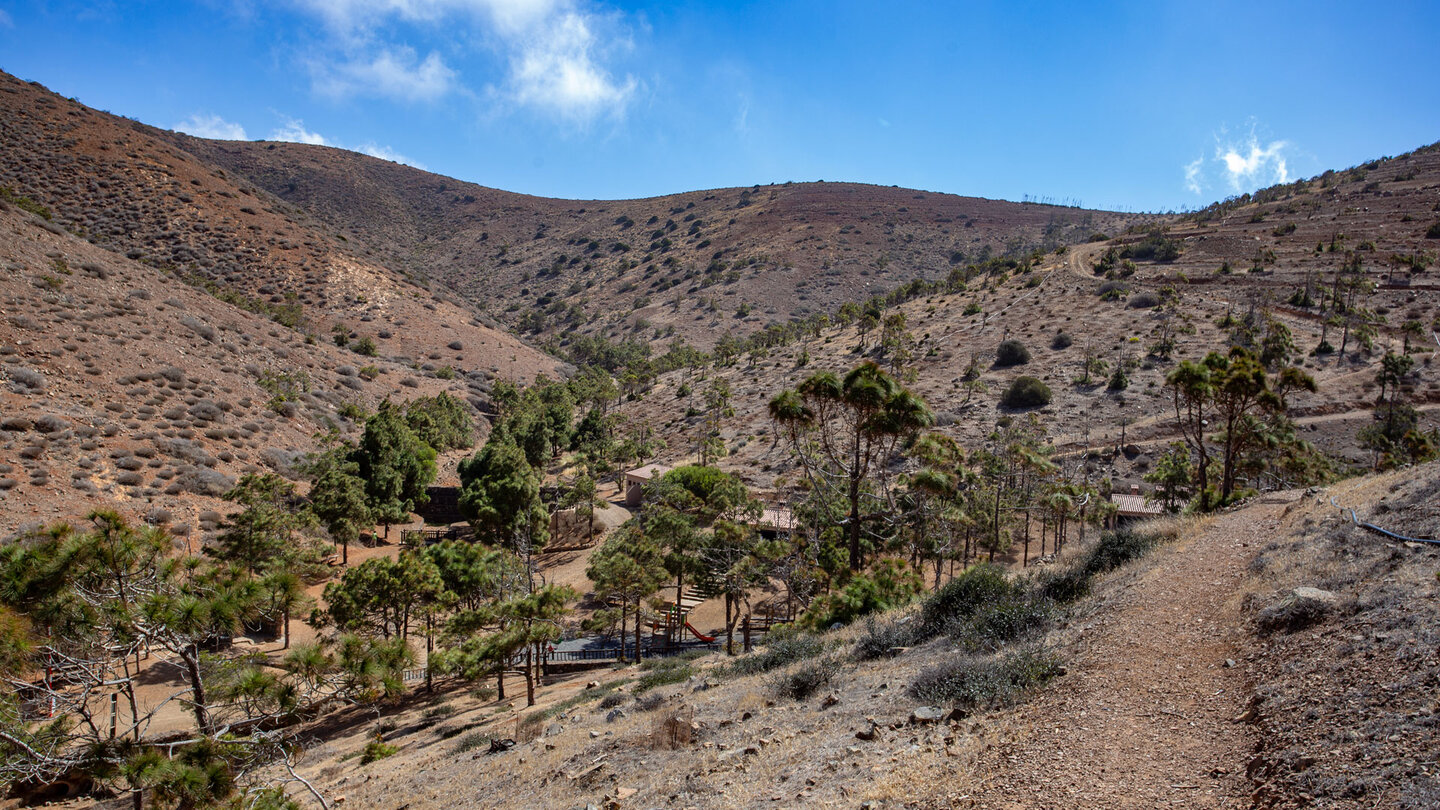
1146,716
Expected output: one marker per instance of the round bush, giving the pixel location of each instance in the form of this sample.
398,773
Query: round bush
1026,392
1062,341
1011,353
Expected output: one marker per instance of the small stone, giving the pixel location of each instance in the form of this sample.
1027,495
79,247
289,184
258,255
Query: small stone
927,714
830,700
593,685
867,734
1229,663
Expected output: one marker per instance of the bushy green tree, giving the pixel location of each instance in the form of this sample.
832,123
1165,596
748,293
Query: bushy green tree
500,496
395,464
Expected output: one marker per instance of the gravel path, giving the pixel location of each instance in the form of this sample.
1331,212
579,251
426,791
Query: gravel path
1146,716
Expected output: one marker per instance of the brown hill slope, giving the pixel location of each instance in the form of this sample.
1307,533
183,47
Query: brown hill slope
1378,215
124,388
130,189
696,265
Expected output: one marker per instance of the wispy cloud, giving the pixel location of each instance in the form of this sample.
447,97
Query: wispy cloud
1192,175
210,125
294,131
1249,162
555,52
392,72
376,150
1239,163
5,20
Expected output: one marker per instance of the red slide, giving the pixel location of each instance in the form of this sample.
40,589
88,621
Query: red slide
698,634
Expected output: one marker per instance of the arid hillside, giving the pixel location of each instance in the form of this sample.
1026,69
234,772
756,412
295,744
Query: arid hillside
1239,271
697,265
127,188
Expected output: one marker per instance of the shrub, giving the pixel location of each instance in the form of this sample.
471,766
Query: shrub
1156,247
1118,381
890,584
1011,353
782,646
1062,341
961,597
376,750
1019,615
1143,300
1434,232
660,671
1026,392
365,347
1062,587
472,741
972,682
879,638
806,679
1115,549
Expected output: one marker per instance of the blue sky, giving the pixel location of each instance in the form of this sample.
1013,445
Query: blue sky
1140,106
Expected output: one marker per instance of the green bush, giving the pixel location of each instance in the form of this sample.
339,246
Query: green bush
890,584
783,645
376,750
1011,353
961,598
365,347
1062,587
1026,392
660,671
1017,616
806,679
1115,549
1062,341
880,637
972,682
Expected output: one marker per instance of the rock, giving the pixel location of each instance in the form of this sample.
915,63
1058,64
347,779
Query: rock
624,793
594,734
593,685
1229,663
927,714
1327,598
867,734
554,729
615,714
752,751
501,746
829,700
746,716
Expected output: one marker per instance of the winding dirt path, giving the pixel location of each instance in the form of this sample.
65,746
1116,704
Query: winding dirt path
1146,716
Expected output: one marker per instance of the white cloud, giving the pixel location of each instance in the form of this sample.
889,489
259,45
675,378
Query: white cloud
294,131
376,150
210,125
555,52
1192,174
1249,163
393,72
555,69
1241,163
5,21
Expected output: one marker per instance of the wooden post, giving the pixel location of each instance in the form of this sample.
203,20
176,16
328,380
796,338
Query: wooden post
114,712
746,632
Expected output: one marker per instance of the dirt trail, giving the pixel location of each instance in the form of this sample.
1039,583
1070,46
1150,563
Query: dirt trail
1146,715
